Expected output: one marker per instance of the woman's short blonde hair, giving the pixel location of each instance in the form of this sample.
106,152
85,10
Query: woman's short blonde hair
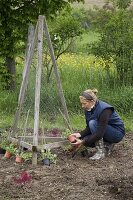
90,95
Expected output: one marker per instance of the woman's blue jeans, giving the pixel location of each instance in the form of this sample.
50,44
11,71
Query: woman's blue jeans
111,135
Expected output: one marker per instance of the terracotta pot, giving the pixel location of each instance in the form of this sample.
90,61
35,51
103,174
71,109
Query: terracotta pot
7,154
46,161
19,159
72,138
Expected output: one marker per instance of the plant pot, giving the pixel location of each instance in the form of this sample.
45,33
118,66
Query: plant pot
72,138
19,159
25,149
46,161
7,154
2,151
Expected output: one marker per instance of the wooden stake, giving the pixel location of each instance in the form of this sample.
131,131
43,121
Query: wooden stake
24,82
38,86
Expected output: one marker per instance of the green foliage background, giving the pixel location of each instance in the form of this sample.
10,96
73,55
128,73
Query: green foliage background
107,35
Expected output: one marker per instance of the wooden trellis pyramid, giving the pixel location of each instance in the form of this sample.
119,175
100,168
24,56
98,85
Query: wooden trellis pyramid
40,30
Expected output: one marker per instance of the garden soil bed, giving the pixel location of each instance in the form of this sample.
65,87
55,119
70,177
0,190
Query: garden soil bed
70,178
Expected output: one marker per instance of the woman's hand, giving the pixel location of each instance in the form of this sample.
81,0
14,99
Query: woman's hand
77,135
77,142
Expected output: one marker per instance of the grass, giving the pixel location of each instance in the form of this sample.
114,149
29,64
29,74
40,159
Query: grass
6,121
87,38
81,42
77,72
128,121
77,122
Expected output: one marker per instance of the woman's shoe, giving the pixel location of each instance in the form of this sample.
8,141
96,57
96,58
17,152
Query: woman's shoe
100,151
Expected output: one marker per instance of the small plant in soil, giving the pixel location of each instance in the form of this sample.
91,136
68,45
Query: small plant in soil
17,152
11,148
49,155
26,155
72,139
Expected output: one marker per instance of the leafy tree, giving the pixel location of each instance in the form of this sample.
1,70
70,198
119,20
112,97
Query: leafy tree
15,15
65,28
116,39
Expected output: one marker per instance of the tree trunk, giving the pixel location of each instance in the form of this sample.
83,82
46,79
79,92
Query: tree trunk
10,64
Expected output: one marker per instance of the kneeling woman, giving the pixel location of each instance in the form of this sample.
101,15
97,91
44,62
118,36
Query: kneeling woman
104,127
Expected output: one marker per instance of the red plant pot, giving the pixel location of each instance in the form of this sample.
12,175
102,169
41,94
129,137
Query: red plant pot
18,159
7,154
72,138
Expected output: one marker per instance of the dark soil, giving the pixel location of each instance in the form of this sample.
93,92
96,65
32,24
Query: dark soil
70,178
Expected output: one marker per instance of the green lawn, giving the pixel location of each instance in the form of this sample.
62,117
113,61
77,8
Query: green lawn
86,38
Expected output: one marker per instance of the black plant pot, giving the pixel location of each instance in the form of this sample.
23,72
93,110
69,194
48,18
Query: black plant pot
2,151
46,161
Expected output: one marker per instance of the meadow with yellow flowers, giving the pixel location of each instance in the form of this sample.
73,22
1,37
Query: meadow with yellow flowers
77,72
81,71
